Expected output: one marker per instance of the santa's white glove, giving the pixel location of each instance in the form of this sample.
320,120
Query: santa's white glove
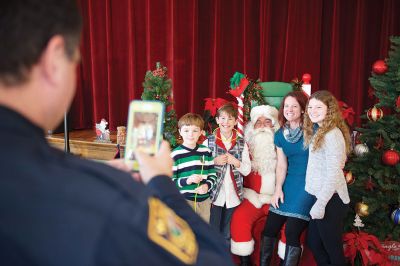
318,210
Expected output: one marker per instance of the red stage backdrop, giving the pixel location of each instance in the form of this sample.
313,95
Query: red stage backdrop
203,42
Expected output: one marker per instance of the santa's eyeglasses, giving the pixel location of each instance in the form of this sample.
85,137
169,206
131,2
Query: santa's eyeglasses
265,123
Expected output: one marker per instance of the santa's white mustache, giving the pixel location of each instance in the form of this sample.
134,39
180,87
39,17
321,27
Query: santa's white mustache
263,130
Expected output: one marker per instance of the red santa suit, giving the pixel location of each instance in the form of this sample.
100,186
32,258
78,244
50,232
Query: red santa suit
259,185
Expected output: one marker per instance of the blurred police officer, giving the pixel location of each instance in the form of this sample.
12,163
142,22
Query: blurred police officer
57,209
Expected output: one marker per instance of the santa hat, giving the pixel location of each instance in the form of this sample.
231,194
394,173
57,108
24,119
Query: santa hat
267,111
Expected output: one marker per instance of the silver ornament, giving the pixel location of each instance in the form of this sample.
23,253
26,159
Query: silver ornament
361,149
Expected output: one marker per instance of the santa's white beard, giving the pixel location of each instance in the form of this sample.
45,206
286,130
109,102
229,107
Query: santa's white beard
262,148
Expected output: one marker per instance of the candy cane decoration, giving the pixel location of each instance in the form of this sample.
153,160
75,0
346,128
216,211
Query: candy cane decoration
240,125
306,84
239,83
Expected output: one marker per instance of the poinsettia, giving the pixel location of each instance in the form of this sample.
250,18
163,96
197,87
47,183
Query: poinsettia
368,246
347,112
212,105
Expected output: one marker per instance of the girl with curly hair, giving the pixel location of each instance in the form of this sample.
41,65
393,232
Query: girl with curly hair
328,139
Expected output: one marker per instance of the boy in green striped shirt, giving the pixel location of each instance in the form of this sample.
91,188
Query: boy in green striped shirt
193,170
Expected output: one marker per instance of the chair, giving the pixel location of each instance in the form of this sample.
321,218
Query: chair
274,91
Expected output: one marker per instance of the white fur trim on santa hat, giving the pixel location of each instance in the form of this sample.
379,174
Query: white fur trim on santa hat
242,248
267,111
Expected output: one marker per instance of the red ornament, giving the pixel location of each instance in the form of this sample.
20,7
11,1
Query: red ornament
398,102
390,157
379,67
374,113
306,78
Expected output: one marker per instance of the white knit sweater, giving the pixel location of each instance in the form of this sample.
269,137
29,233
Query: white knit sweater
324,174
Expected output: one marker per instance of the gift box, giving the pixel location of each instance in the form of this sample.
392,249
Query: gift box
393,250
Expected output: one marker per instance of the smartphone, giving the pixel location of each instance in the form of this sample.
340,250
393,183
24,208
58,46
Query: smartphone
144,131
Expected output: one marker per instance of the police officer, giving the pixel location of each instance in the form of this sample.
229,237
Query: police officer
57,209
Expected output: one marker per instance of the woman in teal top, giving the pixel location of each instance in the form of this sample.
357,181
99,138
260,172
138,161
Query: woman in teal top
290,204
296,201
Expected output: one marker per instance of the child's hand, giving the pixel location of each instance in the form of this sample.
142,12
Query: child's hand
221,159
203,189
194,179
232,160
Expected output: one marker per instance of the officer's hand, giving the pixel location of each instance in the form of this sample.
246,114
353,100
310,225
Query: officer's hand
203,189
121,165
159,164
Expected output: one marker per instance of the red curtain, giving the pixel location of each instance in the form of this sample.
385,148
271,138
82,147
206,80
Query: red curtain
203,42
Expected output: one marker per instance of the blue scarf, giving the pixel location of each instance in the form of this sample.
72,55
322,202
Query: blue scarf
292,135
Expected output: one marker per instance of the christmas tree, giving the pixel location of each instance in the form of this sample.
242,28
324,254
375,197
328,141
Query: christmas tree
157,86
374,165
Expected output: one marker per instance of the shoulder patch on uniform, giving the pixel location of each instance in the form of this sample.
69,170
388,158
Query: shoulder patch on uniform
171,232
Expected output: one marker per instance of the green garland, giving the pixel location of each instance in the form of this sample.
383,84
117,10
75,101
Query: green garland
252,96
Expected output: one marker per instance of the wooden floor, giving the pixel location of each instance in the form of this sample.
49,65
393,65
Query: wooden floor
82,143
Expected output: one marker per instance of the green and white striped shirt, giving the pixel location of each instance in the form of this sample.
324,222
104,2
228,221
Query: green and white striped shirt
193,161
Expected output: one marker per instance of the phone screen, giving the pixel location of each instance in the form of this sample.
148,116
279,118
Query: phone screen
145,122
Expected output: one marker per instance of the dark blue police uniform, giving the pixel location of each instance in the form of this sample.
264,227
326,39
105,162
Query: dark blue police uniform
57,209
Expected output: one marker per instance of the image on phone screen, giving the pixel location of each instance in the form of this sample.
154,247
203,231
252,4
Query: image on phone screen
144,129
144,133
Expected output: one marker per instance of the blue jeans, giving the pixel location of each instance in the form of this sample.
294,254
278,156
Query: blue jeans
220,219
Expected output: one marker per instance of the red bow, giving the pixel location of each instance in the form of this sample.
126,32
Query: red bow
236,92
347,112
368,246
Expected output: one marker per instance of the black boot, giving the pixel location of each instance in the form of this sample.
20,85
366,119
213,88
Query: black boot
292,256
245,261
267,248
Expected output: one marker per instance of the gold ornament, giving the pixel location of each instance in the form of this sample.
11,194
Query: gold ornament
361,209
350,178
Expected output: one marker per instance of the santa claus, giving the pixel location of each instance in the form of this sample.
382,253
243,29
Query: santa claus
259,185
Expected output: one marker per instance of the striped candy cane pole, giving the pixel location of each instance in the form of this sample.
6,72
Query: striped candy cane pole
306,84
240,115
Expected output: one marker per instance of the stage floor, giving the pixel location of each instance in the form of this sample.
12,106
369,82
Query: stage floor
82,143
